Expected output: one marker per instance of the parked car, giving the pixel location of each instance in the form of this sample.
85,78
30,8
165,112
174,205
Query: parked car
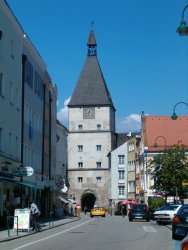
98,211
184,244
180,223
139,212
166,213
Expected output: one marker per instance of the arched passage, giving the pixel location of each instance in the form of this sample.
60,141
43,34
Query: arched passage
88,200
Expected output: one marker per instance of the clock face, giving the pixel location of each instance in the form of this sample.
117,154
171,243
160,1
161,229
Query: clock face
89,113
92,51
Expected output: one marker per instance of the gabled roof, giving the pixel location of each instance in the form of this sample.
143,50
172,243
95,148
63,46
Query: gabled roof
163,130
91,88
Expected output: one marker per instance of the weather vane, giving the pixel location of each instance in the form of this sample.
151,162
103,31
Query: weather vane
92,22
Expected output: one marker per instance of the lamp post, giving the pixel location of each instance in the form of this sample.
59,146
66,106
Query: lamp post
182,30
174,115
160,136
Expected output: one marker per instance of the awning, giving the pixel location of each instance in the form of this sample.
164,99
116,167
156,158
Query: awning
33,186
7,179
128,202
72,201
64,200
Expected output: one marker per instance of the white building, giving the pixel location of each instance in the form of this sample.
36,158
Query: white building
118,175
91,134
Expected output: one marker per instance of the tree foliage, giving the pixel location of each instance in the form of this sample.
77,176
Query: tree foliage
169,168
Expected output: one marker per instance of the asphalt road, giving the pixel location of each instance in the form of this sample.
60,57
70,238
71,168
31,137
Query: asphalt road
110,233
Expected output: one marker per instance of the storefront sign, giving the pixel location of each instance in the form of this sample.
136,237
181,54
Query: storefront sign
23,219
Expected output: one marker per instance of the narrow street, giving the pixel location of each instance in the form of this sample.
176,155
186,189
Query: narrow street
112,232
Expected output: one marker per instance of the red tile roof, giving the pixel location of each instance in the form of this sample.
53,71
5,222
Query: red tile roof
163,130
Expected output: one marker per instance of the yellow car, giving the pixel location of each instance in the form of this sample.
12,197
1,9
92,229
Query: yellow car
98,211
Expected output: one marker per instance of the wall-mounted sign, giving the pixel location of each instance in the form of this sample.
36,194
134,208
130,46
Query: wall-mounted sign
23,171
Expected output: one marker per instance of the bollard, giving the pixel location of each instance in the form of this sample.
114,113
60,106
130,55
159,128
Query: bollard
8,218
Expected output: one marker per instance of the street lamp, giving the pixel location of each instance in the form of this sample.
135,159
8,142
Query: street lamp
174,116
160,136
182,30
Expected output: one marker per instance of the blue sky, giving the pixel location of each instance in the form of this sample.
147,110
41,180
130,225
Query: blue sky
143,59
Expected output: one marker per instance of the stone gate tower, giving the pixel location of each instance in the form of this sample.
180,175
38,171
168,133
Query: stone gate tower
91,133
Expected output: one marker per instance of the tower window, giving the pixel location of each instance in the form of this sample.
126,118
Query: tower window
98,126
98,164
98,147
80,164
80,127
80,179
80,148
98,179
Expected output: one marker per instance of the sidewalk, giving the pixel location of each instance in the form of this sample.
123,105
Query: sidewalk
6,235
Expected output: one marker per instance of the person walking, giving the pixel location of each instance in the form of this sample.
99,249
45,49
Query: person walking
85,210
124,211
35,213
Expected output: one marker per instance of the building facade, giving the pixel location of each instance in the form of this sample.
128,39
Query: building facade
27,120
91,134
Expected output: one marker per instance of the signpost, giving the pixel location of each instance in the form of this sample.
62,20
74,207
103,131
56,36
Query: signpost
22,219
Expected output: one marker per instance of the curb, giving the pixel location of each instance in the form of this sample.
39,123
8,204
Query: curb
43,229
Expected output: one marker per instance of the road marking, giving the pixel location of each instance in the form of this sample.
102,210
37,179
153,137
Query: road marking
149,229
51,236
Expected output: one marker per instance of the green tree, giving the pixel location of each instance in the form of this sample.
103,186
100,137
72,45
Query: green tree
169,169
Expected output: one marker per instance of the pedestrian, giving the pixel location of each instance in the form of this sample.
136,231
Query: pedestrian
35,213
124,211
85,210
75,210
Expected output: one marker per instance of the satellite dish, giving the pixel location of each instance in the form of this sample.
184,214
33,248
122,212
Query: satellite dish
65,189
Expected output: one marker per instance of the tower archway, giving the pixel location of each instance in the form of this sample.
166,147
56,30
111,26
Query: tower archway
88,199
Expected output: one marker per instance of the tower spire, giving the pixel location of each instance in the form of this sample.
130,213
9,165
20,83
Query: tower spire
91,43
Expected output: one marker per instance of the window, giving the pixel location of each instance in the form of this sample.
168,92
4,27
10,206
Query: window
131,166
80,148
1,84
121,175
17,99
29,74
98,126
98,164
80,127
121,190
121,159
10,143
131,146
80,179
131,186
80,164
1,139
11,93
98,179
17,148
98,147
11,49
